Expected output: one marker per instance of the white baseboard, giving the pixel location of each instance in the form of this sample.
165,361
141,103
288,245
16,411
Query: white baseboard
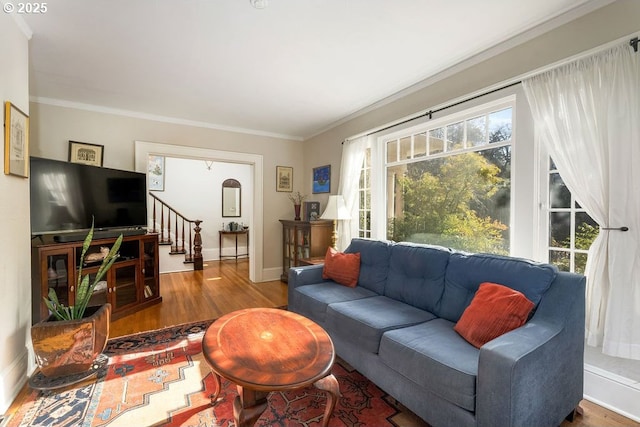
612,391
269,274
15,375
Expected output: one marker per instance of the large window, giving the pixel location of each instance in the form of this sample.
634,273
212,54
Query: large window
364,191
571,229
450,184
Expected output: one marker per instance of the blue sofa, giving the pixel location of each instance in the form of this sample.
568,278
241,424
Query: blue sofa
396,328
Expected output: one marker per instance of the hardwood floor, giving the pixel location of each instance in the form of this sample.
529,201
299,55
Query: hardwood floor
223,287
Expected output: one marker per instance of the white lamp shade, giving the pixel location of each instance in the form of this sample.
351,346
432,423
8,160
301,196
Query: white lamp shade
336,209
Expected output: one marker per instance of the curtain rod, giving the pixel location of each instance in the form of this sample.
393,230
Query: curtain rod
633,42
430,113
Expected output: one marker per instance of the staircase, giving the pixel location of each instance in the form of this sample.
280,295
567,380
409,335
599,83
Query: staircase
176,238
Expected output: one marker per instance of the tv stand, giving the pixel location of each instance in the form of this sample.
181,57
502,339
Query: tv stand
99,234
132,283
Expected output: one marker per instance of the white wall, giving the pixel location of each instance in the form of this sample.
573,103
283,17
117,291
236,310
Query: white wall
15,252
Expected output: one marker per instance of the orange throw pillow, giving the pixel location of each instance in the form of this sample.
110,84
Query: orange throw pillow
342,268
494,310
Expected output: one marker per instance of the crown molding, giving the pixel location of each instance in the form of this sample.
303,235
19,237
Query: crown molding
157,118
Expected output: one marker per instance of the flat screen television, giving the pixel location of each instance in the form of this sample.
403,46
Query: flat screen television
66,196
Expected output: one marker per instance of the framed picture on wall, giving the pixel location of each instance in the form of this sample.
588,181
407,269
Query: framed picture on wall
322,179
155,173
16,141
85,153
284,179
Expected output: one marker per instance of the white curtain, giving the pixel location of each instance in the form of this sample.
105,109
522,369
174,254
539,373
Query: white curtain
587,114
350,167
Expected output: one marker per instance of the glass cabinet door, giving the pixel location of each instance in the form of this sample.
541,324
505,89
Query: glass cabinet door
124,291
59,277
149,263
289,247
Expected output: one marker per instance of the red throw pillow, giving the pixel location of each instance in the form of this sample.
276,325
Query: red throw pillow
342,268
494,310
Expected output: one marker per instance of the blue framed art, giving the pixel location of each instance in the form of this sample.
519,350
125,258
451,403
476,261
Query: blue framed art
322,179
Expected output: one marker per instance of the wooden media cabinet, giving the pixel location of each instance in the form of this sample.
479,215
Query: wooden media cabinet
132,283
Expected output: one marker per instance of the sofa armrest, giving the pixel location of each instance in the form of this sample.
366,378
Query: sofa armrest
305,275
533,375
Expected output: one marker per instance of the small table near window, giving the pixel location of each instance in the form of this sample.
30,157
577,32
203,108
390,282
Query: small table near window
223,233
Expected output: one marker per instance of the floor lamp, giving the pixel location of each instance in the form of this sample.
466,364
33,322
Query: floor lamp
336,210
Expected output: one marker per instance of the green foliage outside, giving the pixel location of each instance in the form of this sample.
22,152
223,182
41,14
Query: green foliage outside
446,202
585,235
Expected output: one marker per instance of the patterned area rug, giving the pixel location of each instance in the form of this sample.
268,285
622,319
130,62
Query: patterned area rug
160,378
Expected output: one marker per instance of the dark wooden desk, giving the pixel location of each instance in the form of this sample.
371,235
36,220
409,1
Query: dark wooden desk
235,234
269,349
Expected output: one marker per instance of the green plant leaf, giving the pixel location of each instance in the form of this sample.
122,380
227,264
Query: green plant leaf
85,288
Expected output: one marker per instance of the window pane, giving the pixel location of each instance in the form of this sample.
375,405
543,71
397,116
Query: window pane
500,125
586,230
392,151
581,263
559,195
455,136
460,201
476,129
560,259
560,229
405,148
420,145
436,141
571,229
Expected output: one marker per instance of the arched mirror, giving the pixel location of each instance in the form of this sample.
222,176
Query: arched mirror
231,191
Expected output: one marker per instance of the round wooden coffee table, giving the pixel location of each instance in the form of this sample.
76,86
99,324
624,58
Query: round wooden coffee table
267,349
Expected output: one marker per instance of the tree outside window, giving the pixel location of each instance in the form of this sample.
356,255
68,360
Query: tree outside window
458,195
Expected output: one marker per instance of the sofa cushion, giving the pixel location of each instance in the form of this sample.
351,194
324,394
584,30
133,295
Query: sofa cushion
416,274
435,357
374,262
465,272
494,310
312,300
363,321
341,268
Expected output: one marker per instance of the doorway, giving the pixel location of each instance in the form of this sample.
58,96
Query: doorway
144,149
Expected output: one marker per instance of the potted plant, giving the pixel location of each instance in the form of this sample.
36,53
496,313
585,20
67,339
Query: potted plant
70,340
297,198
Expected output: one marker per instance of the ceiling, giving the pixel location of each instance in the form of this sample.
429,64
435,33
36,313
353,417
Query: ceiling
290,70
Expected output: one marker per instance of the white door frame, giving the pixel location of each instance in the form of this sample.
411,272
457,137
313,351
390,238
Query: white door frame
144,149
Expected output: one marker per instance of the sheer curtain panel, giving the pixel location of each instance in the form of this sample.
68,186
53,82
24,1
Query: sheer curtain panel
352,158
587,114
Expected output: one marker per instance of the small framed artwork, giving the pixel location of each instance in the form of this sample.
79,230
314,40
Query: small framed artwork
322,179
284,179
16,141
311,211
85,153
155,173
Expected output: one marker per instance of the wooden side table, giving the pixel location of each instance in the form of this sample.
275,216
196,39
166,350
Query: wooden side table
223,233
268,349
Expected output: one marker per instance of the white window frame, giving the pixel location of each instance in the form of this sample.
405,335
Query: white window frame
379,156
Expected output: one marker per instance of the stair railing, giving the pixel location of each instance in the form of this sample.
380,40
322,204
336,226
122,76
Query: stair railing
193,251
